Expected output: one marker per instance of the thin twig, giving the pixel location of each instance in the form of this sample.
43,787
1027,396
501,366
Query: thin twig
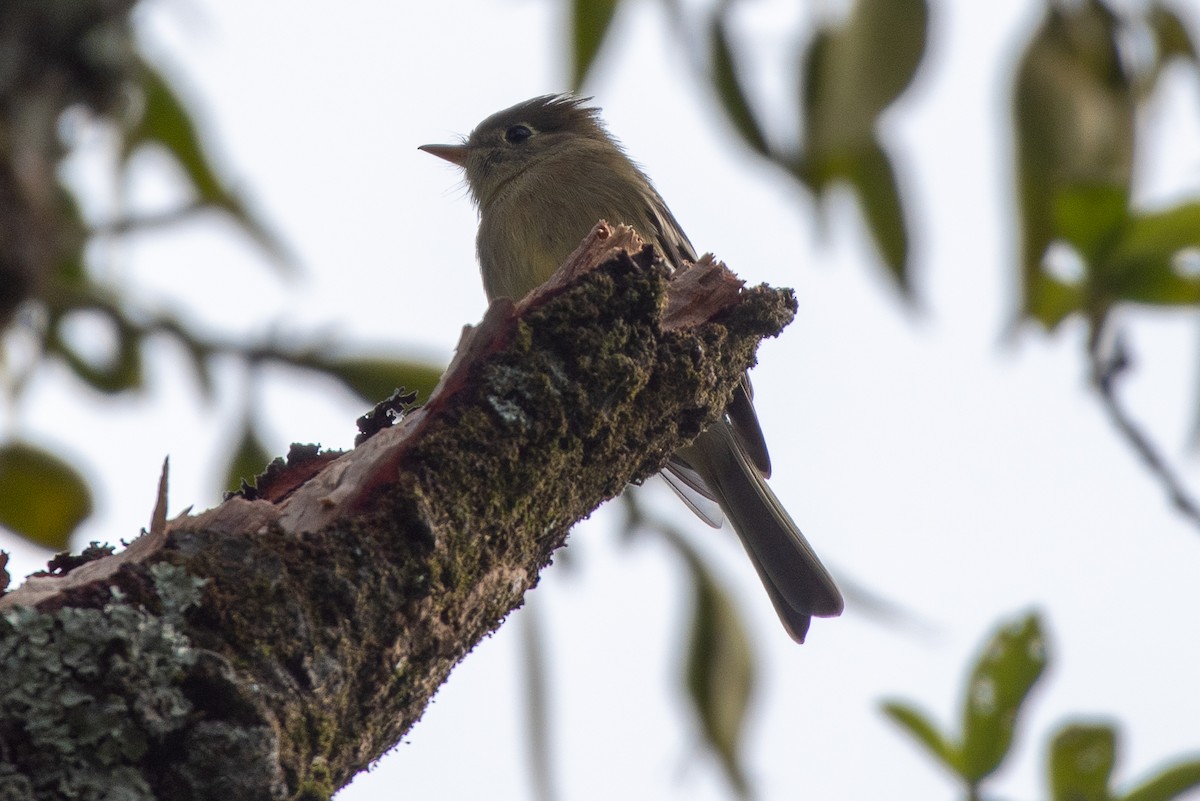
1106,370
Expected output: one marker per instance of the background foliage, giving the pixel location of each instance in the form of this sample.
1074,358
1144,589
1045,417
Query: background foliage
1088,248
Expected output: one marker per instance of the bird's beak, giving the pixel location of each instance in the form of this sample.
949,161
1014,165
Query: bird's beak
455,154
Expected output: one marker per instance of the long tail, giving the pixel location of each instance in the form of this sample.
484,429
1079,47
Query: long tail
798,584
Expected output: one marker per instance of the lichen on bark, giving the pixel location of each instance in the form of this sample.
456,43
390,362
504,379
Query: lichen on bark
332,609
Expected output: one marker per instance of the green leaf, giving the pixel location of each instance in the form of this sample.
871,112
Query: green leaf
1050,301
1074,112
1156,285
42,498
1091,218
815,83
1002,678
374,379
1159,236
1170,783
720,664
887,39
873,177
165,121
1143,266
851,73
926,733
590,21
1081,763
1170,34
720,672
729,86
249,459
855,71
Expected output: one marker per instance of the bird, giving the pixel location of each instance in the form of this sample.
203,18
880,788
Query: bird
542,173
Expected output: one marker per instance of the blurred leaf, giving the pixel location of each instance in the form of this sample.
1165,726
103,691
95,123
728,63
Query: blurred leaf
537,698
120,371
854,71
1074,112
42,498
925,732
808,166
1091,218
720,664
885,42
1159,236
69,267
250,458
1170,34
1052,300
851,74
198,356
1081,763
1157,285
729,86
590,21
167,122
1143,266
875,181
374,379
1170,783
720,672
1002,678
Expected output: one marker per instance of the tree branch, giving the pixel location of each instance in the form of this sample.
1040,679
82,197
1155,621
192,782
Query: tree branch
335,604
1106,371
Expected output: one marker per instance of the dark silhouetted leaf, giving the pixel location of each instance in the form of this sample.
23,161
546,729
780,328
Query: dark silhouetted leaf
925,732
42,498
1169,784
1002,678
375,379
1081,762
729,86
249,460
875,181
590,21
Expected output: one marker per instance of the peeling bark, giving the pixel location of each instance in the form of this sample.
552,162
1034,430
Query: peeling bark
298,636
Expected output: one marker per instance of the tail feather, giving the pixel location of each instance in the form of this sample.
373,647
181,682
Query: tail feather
794,577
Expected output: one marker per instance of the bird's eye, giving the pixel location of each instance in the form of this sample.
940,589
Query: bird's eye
517,134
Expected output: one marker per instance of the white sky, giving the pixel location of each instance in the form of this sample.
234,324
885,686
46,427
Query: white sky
963,478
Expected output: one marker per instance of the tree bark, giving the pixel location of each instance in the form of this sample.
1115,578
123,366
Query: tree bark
272,648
